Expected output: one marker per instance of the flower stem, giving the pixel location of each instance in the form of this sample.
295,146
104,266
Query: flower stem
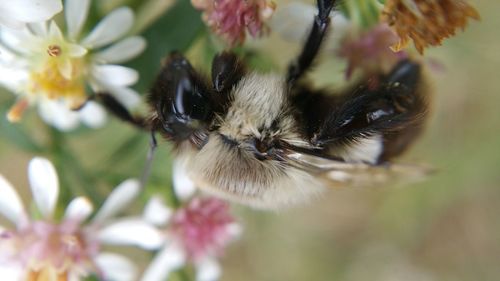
57,144
66,164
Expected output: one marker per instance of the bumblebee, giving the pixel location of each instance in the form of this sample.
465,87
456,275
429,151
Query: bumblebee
271,140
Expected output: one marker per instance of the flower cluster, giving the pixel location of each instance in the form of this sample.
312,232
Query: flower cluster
426,22
196,233
231,19
370,51
45,247
52,69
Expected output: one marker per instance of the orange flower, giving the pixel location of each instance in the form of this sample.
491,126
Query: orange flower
427,22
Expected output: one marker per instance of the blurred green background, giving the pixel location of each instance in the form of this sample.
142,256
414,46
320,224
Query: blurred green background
446,228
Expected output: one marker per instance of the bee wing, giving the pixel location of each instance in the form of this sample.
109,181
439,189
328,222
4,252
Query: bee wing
337,173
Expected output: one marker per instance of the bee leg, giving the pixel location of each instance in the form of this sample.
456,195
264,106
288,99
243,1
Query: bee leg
227,70
379,123
408,76
314,40
149,160
118,110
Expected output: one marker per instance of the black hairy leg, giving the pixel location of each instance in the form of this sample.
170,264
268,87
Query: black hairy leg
313,42
119,111
394,110
227,70
153,144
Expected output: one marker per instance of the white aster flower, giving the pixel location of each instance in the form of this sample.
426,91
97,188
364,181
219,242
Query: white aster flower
52,69
14,14
44,248
195,233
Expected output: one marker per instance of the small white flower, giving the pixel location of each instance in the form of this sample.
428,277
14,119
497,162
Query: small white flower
52,69
196,233
45,248
14,14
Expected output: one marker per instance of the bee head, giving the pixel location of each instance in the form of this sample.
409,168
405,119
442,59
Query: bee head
180,99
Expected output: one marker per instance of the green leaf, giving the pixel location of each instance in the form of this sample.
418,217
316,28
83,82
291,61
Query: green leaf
176,30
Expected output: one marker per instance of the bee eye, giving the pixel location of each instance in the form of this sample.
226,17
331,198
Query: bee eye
189,103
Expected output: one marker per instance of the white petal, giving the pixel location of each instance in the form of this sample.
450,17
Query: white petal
76,12
30,10
20,41
76,51
6,55
115,267
12,77
118,200
126,96
74,276
11,206
93,115
122,51
235,230
115,75
167,260
44,185
184,187
79,209
39,28
208,269
12,272
156,212
9,21
55,31
111,28
65,68
132,232
57,114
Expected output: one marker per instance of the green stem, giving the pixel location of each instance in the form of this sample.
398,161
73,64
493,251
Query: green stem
87,182
67,164
57,144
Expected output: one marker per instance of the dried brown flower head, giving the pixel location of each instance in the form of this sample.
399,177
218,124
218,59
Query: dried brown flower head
427,22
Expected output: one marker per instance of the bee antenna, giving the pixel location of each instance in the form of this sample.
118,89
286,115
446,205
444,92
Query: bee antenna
149,160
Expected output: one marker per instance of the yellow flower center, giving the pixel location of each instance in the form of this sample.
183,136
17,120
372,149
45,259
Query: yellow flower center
47,274
49,81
